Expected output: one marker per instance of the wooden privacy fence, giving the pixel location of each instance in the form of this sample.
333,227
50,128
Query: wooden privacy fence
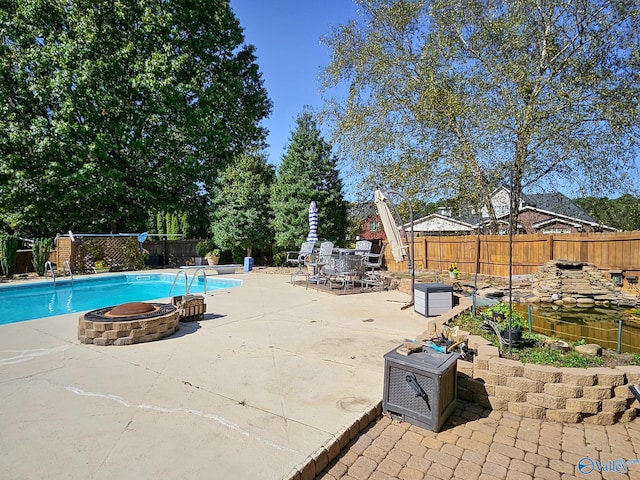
489,254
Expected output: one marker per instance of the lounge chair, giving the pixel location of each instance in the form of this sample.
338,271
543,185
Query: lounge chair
298,258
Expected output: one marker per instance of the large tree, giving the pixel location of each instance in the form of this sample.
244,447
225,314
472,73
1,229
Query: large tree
110,111
308,172
450,98
240,205
622,212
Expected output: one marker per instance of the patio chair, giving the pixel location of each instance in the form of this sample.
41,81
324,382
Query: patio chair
372,262
298,258
363,247
323,258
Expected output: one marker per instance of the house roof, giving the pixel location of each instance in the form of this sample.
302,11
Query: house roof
558,204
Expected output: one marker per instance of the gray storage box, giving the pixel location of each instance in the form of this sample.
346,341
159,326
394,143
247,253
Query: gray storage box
420,388
432,299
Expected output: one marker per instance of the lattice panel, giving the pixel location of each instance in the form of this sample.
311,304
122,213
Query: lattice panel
118,253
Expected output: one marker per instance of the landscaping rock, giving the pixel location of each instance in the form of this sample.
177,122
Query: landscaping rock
590,349
576,283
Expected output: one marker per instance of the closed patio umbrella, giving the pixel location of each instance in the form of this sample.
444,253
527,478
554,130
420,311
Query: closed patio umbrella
313,223
389,225
393,235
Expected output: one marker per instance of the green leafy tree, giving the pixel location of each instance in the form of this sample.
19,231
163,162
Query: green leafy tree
308,172
240,205
622,212
112,110
450,98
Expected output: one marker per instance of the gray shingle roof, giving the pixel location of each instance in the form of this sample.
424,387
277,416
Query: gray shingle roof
557,203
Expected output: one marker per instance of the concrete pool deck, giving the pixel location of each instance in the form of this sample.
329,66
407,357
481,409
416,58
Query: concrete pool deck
272,374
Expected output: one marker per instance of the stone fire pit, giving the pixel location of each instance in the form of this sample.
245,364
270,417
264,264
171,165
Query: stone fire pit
129,323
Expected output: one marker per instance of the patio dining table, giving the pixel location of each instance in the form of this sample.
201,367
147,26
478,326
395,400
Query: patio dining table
345,267
344,251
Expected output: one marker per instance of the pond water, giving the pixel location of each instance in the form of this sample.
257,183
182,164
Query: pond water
597,324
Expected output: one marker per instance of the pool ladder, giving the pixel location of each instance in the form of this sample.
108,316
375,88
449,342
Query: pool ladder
67,266
48,267
187,283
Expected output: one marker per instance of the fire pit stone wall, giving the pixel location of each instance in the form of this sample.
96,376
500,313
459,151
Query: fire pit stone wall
121,331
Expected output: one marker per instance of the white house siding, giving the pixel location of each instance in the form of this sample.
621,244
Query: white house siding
436,223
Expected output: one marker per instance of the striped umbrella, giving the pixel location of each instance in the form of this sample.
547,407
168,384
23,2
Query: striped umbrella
313,223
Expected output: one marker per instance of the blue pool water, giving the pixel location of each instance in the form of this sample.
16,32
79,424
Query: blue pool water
44,299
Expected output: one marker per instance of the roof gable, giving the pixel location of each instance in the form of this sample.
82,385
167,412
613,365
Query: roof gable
440,223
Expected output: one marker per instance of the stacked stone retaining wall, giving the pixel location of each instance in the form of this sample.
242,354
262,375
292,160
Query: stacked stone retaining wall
598,396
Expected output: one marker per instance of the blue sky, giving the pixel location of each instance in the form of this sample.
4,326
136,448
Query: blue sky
286,34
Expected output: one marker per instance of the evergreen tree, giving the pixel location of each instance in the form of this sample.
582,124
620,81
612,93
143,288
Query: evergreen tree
308,172
240,204
160,225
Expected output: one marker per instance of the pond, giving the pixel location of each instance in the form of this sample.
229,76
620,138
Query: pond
597,324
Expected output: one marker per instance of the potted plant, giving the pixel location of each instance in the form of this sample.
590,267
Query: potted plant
213,256
207,249
100,266
453,271
511,331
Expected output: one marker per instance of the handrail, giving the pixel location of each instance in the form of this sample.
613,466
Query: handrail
68,265
49,266
204,277
186,282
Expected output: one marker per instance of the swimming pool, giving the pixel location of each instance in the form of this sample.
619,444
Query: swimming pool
44,299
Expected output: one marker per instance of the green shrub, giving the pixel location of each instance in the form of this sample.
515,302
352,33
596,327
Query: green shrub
279,258
205,246
134,259
40,254
8,254
517,320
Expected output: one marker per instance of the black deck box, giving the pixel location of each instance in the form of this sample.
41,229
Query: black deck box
432,299
420,388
